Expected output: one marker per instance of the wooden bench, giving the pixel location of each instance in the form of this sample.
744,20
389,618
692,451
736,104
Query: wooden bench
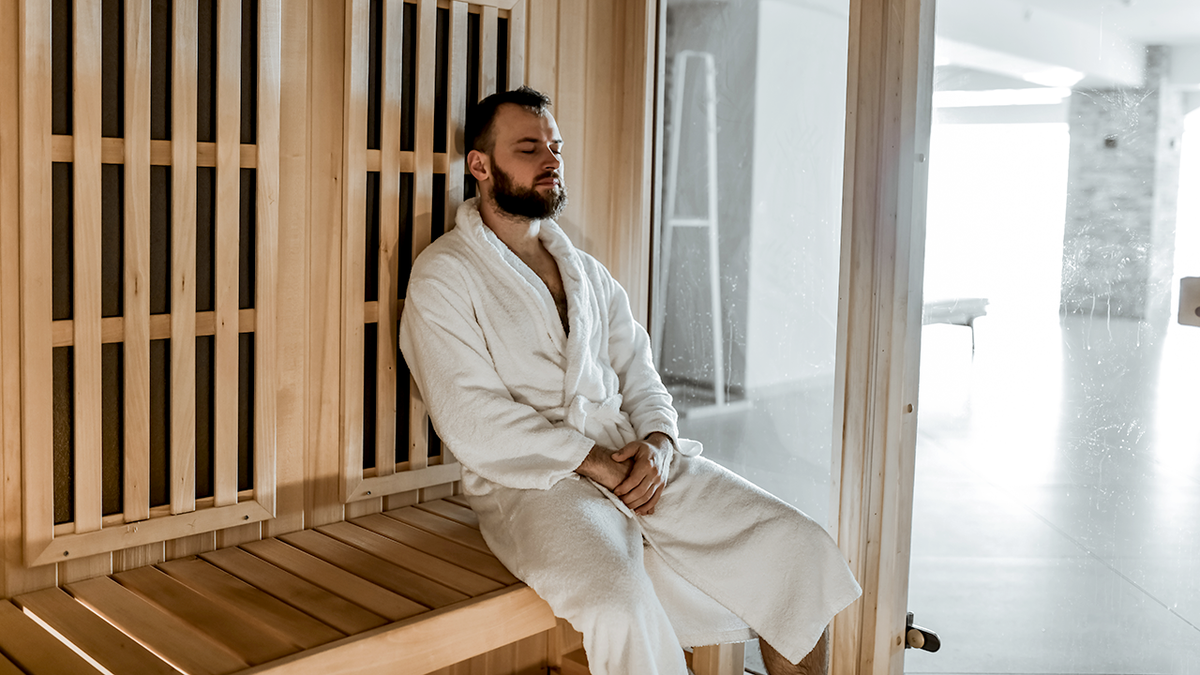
413,590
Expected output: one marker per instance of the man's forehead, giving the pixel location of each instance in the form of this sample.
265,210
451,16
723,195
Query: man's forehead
514,123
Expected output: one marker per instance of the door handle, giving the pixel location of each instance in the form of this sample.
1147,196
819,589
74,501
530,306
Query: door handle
917,637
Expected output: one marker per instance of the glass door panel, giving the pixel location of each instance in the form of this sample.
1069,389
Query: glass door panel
1057,499
745,313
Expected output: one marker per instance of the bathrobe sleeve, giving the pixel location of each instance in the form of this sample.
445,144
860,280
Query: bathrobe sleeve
645,399
497,438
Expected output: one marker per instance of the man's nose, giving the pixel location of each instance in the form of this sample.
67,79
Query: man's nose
551,160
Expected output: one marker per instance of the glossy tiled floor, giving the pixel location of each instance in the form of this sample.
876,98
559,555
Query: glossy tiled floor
1057,500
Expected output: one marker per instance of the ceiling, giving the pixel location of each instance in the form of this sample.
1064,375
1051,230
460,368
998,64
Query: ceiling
1166,22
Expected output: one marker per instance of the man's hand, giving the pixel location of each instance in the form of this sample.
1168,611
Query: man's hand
643,486
600,466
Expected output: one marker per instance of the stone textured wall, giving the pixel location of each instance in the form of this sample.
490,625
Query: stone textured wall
1123,187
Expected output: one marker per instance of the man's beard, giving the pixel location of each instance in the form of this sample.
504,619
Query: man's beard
527,202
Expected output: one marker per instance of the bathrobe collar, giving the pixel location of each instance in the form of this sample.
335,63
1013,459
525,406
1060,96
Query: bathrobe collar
511,270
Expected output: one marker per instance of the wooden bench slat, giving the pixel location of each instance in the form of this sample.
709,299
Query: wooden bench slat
424,644
418,561
302,594
441,527
451,511
33,649
252,642
461,500
163,633
8,667
338,581
290,624
375,569
112,649
483,563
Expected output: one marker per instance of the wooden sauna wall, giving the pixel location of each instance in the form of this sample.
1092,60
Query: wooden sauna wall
350,171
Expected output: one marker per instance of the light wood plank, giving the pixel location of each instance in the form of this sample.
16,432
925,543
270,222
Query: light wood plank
164,634
138,556
427,643
86,567
112,328
8,667
456,112
405,479
416,560
112,151
571,107
542,47
724,659
33,649
460,499
387,348
225,276
252,642
136,323
37,379
185,45
292,306
325,330
86,249
291,625
101,641
422,232
489,29
174,528
441,527
236,536
354,215
336,580
451,511
266,266
470,558
374,569
315,601
516,44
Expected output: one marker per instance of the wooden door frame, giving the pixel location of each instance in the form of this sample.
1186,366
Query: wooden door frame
888,115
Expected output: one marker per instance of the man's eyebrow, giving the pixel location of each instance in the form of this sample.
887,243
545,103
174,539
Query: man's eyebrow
531,139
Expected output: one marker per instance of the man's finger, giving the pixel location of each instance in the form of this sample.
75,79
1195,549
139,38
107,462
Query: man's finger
641,469
647,509
626,452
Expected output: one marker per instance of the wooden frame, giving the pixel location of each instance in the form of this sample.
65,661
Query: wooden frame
390,477
889,99
90,532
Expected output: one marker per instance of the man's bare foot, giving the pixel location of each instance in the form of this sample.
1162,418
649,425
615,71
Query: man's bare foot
816,663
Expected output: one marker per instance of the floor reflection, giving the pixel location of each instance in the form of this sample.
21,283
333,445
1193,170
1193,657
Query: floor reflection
1056,522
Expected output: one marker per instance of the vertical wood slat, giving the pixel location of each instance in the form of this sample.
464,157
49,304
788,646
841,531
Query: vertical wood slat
228,229
541,48
266,287
516,45
86,54
488,37
426,30
136,487
184,41
456,110
389,237
354,182
37,422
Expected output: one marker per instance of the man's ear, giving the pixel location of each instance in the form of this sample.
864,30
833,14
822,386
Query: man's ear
478,165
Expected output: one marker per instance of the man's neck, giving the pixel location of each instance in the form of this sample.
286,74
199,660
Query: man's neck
519,234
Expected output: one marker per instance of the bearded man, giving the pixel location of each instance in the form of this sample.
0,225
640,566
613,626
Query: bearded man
541,383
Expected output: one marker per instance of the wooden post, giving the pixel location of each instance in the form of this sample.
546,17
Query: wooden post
887,143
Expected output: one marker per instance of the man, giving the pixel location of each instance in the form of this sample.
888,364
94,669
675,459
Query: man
539,380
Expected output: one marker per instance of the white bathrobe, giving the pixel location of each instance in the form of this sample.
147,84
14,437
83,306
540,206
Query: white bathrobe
520,404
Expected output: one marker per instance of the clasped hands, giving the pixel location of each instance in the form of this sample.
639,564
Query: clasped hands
637,473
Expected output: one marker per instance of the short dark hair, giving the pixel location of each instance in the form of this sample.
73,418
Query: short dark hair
480,117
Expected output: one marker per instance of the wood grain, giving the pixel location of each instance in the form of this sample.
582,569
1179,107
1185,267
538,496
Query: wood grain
226,253
184,43
136,321
172,638
387,348
86,252
488,46
100,640
34,650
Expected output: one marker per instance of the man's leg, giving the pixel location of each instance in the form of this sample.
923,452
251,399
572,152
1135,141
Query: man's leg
768,563
584,557
816,663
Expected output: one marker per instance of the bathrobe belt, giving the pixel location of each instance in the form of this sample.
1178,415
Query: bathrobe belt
601,421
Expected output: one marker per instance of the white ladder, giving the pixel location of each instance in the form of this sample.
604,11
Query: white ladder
709,220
